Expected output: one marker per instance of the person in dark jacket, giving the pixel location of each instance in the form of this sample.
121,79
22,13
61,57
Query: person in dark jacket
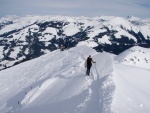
88,64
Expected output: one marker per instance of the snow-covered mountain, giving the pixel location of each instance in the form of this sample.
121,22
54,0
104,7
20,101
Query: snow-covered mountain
136,56
28,37
56,83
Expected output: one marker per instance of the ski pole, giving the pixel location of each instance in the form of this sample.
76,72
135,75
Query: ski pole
96,69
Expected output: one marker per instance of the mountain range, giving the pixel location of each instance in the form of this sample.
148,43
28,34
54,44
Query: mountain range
26,37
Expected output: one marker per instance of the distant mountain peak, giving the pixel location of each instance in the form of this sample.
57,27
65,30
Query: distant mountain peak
136,56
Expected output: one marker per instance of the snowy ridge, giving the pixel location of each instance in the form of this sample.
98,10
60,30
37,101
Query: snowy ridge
104,71
57,80
56,83
136,56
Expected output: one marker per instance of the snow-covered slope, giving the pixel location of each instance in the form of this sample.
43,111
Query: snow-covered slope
132,89
28,37
136,56
56,83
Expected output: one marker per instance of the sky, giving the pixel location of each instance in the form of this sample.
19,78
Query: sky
88,8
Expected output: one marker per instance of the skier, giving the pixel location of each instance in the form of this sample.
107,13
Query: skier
88,64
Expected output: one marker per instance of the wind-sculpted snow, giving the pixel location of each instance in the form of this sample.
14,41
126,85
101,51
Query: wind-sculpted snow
57,83
132,89
104,81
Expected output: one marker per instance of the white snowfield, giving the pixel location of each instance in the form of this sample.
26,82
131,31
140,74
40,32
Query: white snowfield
136,56
56,83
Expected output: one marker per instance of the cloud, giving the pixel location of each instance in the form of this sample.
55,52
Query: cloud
140,8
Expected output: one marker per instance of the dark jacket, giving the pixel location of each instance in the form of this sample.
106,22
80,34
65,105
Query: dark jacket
89,61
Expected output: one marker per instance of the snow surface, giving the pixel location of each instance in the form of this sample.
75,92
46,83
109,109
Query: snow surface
132,90
89,43
71,29
104,39
56,83
135,56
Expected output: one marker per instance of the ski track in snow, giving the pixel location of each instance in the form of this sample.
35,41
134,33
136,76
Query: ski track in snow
104,82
